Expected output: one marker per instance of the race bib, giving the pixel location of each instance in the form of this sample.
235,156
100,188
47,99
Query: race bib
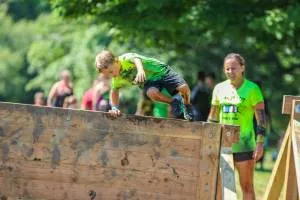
230,109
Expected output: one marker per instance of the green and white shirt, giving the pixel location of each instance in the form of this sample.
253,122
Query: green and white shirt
237,107
154,70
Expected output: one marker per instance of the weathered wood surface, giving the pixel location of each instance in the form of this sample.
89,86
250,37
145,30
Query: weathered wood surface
51,153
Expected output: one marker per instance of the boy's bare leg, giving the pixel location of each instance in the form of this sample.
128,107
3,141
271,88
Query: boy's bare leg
155,95
185,92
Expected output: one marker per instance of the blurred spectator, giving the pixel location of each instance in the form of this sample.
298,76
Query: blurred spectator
100,94
60,90
70,102
97,97
200,99
87,99
210,80
39,99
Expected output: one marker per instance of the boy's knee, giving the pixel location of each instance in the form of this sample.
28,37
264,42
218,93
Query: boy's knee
184,89
152,93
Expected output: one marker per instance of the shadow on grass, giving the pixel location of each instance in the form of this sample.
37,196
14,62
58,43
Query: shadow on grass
263,170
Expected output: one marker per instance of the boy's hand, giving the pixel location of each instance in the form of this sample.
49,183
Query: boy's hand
114,112
140,77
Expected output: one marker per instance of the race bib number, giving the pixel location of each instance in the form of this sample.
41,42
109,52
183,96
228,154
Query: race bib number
230,109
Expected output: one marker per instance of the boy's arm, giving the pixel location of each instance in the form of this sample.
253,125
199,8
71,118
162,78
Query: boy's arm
140,77
114,99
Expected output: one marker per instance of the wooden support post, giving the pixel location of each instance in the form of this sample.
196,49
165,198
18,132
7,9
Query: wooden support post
226,189
227,174
277,177
296,143
290,182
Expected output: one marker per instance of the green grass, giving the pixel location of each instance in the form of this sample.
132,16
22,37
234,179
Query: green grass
261,178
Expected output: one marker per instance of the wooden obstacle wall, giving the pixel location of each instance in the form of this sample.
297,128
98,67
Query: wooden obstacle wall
52,153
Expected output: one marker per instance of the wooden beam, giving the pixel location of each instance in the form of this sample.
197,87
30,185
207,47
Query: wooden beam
209,161
296,141
226,177
290,183
287,103
276,180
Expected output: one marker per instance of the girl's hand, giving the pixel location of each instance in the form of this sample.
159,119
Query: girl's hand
259,151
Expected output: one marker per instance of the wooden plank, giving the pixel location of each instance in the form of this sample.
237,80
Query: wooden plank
296,141
226,176
66,118
219,186
36,189
166,183
287,103
87,139
209,162
276,180
50,153
187,167
290,182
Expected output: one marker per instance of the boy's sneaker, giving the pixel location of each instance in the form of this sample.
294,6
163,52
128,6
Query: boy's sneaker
188,112
176,106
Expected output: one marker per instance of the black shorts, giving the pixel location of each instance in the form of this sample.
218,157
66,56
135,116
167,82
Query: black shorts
170,82
242,156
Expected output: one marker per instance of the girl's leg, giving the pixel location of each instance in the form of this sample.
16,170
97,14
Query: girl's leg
246,171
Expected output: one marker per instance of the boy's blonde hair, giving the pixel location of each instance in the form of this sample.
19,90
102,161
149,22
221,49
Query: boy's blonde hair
104,59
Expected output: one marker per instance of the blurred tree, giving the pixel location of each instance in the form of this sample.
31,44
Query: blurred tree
15,39
198,34
65,46
27,9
